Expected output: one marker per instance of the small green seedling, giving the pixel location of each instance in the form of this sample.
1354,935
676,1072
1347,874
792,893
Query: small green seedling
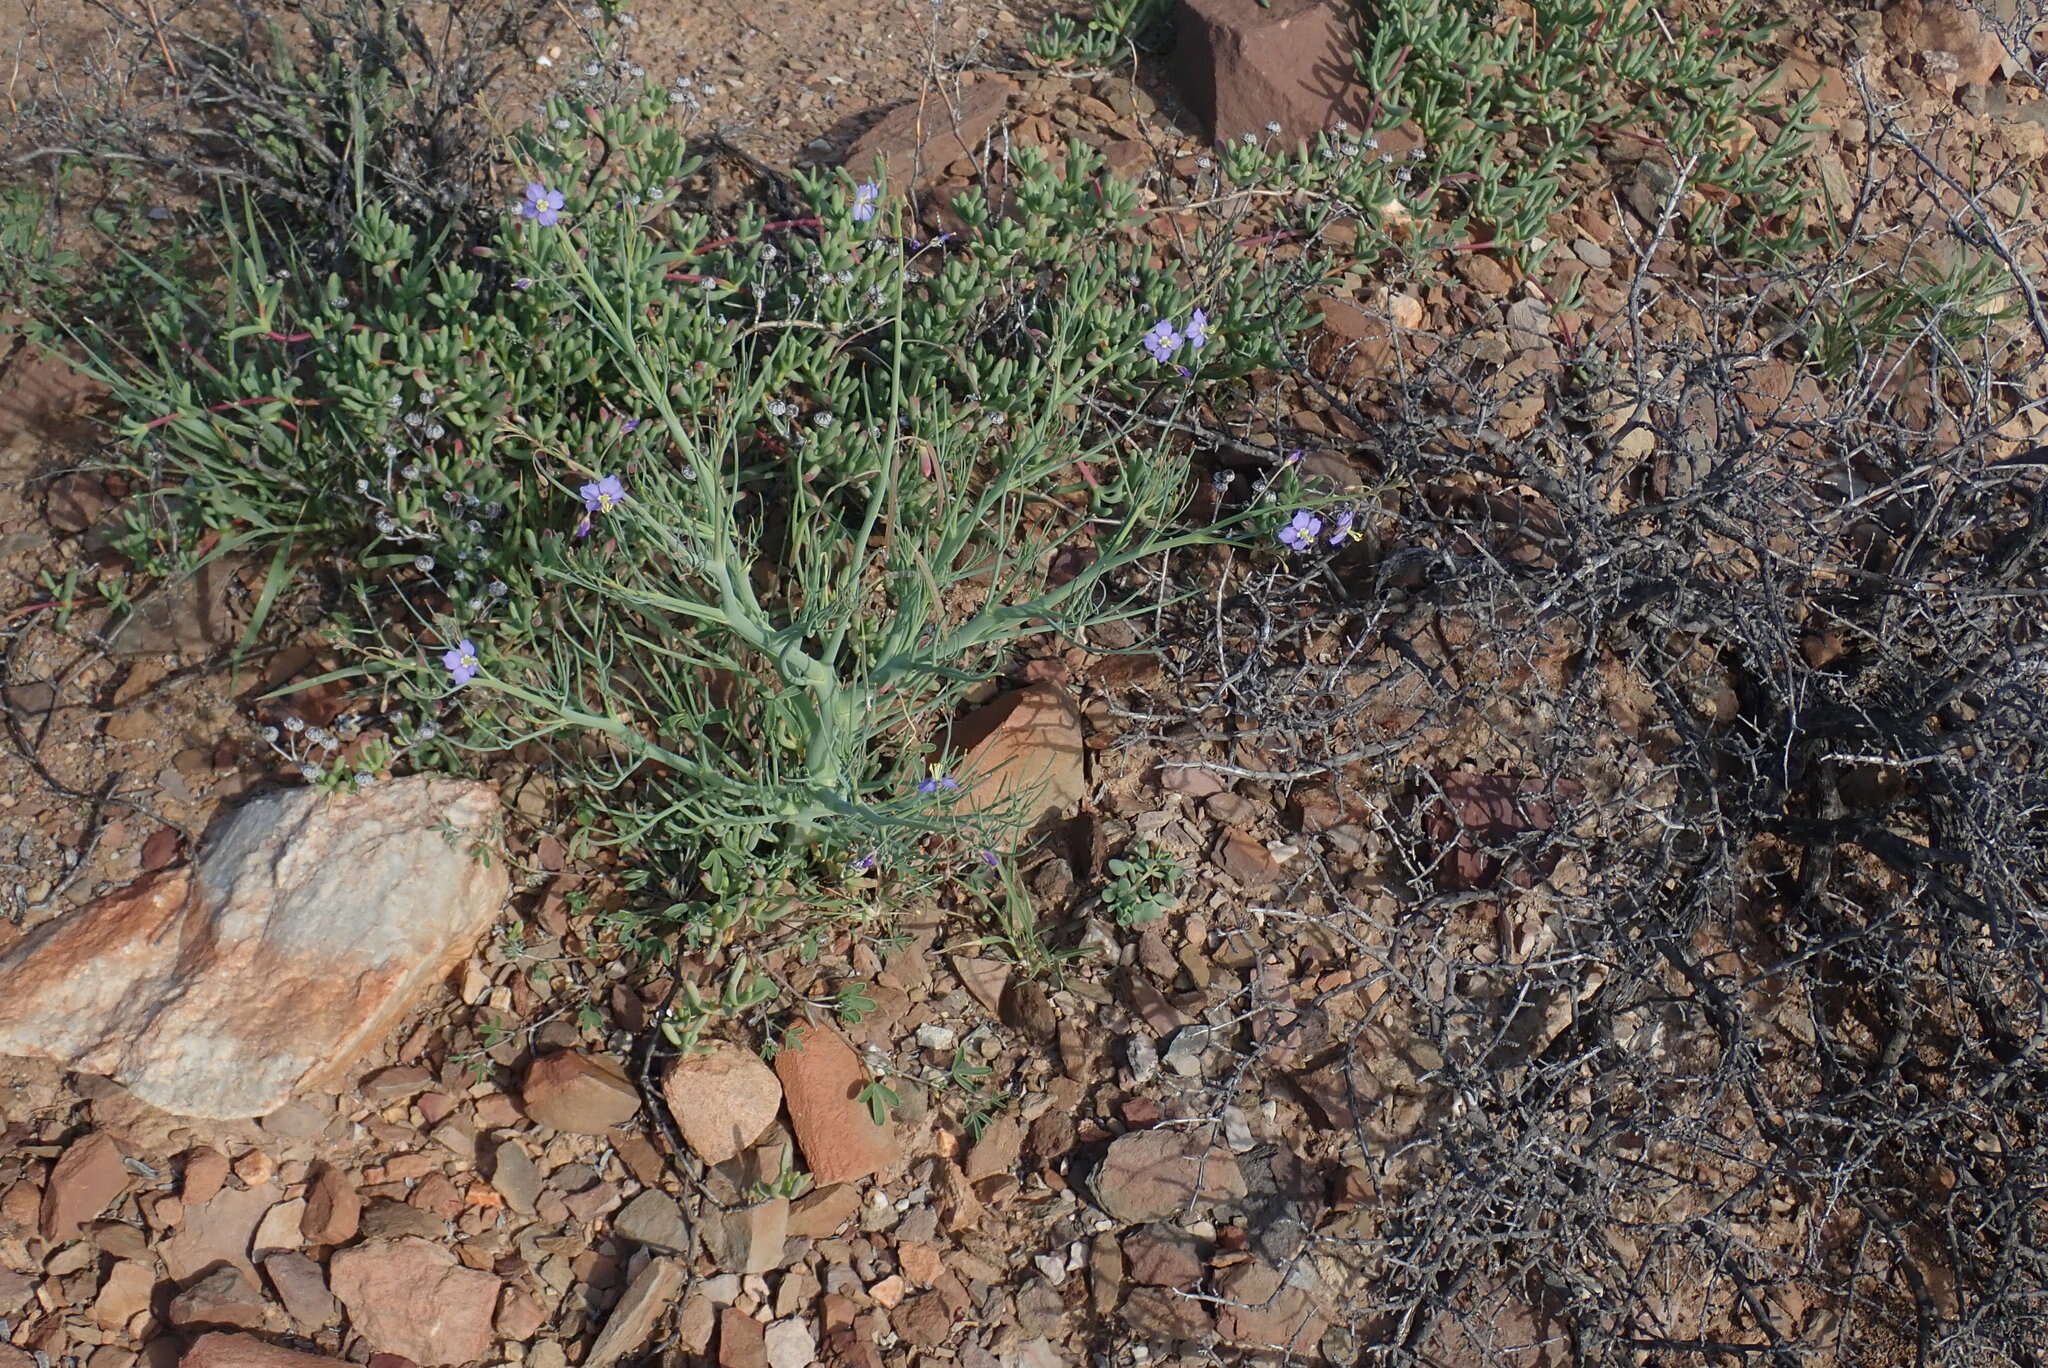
1144,885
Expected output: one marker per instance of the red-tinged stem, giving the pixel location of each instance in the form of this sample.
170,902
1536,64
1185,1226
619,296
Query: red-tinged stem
1372,116
289,337
26,610
155,423
776,226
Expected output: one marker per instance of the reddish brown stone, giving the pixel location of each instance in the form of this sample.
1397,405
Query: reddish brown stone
721,1099
84,1181
1021,752
1262,1311
220,1298
206,1171
917,142
334,1210
822,1080
742,1340
1242,65
221,1350
413,1298
923,1320
581,1093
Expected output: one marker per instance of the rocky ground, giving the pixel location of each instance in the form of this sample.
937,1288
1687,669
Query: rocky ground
1122,1159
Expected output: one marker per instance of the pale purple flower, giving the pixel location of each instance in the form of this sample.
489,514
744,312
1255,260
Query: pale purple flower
864,197
1300,533
938,782
461,661
865,863
1198,329
631,424
523,283
542,205
1162,341
602,496
1343,530
988,857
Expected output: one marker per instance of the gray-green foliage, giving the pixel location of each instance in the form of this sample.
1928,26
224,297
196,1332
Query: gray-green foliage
1144,885
1113,31
1510,111
848,458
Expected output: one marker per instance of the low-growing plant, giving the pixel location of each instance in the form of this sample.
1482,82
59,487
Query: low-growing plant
728,515
1144,885
1510,111
1113,31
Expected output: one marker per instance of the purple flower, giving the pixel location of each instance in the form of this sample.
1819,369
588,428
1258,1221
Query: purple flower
864,196
937,782
1162,341
1343,530
602,496
461,661
523,283
988,857
542,205
1198,329
865,863
1300,534
628,426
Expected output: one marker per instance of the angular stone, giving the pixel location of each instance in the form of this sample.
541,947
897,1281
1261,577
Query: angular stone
334,1210
412,1298
653,1219
519,1317
302,1286
515,1177
742,1340
1153,1175
88,1176
823,1212
579,1093
917,142
1162,1256
789,1344
389,1219
722,1100
279,1229
221,1350
822,1080
220,1298
219,1231
748,1239
634,1318
1157,1313
308,925
126,1291
1262,1310
1242,64
1023,751
206,1172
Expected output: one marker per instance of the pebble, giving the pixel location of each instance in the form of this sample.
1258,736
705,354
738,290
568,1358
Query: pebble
514,1176
653,1219
1141,1056
789,1344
